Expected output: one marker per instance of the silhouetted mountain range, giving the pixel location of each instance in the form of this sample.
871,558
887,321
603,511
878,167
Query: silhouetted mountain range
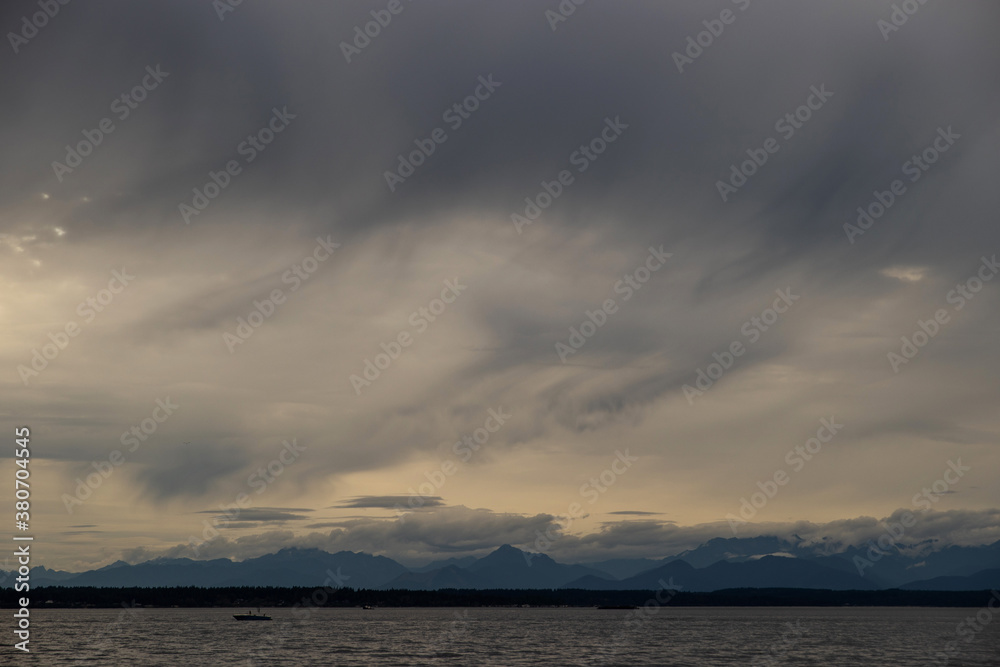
722,563
766,572
288,567
980,581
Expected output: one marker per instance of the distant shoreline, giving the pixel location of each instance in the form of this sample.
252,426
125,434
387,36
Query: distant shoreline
275,597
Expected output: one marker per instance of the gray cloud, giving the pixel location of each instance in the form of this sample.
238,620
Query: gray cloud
261,514
389,502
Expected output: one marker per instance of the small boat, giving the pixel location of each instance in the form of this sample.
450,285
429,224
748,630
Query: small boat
249,616
368,606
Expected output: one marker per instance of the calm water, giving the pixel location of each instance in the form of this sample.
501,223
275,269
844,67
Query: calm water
661,636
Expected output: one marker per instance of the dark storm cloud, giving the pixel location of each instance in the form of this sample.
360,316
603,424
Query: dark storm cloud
342,524
262,514
685,130
388,502
186,472
354,119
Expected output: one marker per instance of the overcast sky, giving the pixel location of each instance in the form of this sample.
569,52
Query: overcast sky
624,134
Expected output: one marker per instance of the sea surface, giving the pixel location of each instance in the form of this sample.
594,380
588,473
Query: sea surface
658,635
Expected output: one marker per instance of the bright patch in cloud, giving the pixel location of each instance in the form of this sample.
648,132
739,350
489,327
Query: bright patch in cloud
906,274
